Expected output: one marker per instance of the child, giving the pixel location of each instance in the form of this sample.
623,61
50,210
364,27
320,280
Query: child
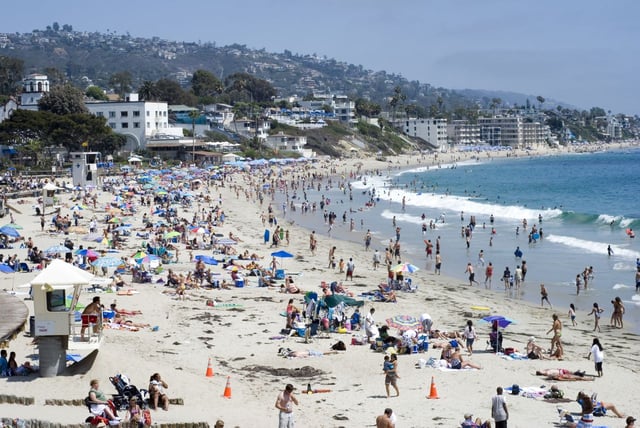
572,314
134,415
341,266
596,311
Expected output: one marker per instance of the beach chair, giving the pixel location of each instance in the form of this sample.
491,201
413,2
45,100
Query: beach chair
409,286
280,274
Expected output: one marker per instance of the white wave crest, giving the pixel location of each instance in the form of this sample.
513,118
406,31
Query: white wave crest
592,246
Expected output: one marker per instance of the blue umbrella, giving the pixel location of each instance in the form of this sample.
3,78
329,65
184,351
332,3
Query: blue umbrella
9,231
282,254
107,262
502,321
57,249
208,260
6,268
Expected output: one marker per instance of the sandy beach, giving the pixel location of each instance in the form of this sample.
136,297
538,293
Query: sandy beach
241,333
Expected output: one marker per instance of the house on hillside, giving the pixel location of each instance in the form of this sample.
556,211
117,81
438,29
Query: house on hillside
282,142
7,109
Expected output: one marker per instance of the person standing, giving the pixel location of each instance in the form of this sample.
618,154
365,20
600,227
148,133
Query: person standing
557,333
618,312
572,314
370,325
499,410
544,296
367,240
488,274
385,420
284,403
470,335
598,355
638,279
350,268
439,262
390,375
597,313
376,259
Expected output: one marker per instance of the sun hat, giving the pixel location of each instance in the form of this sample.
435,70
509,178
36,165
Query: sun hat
468,415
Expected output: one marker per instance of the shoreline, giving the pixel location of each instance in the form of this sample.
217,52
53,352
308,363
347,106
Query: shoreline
239,341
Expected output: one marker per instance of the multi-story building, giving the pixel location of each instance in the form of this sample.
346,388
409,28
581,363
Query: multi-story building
136,120
34,87
463,132
433,131
513,131
7,109
289,143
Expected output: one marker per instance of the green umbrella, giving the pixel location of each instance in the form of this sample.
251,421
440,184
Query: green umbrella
171,234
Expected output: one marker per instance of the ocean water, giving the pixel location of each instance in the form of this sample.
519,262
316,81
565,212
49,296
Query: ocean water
587,202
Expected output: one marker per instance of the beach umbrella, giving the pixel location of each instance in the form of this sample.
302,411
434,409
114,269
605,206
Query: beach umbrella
115,220
208,260
9,231
107,262
148,258
77,208
6,268
405,268
15,226
87,252
123,228
57,249
139,255
282,255
404,322
502,321
172,234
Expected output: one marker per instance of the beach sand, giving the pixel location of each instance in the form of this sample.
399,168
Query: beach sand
240,340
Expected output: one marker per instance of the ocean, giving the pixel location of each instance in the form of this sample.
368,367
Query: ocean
587,202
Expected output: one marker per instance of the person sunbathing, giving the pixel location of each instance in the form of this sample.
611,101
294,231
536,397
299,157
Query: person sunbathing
535,352
127,312
564,374
458,363
288,353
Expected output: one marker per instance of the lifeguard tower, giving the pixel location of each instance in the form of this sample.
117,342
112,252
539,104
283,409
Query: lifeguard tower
55,295
84,168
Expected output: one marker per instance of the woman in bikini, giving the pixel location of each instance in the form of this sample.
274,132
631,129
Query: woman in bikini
557,333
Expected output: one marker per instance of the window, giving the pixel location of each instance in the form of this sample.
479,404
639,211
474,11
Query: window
56,301
136,113
112,114
125,125
124,114
148,113
148,124
136,124
112,125
100,114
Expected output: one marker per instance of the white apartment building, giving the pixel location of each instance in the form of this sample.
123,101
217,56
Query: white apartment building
344,110
136,120
513,131
433,131
7,109
463,132
502,130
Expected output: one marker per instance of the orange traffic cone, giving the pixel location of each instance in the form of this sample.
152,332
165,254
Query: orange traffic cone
227,388
209,369
433,393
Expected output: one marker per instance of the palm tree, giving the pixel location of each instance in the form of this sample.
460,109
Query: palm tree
147,91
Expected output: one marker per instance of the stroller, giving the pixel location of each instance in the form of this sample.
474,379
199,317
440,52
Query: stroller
127,391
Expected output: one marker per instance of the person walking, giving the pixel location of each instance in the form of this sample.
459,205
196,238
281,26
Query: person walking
598,355
596,311
557,333
470,335
499,410
572,314
472,274
544,296
488,275
390,375
284,403
350,268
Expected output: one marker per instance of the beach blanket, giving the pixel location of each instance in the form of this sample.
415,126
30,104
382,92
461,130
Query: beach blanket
514,356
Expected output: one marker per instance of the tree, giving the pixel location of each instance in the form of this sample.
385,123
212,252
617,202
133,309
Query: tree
170,91
495,103
64,99
147,91
540,101
56,27
96,93
121,82
245,87
11,74
55,76
205,84
396,100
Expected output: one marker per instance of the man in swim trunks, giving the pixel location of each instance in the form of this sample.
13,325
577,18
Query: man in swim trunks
91,315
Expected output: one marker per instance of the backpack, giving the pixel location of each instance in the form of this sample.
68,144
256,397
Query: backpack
515,389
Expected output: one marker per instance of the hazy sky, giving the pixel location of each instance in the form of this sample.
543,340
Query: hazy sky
581,52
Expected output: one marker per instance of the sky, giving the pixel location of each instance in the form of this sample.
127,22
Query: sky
580,52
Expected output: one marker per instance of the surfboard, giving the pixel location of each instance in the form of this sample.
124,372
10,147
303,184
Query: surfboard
480,308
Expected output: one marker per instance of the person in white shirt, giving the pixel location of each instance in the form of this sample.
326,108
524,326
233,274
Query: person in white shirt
598,355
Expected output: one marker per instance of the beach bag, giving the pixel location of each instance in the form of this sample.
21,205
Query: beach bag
515,389
509,351
339,346
146,414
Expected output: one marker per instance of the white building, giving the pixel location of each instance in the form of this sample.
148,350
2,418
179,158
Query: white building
34,87
136,120
513,131
7,109
289,143
433,131
463,132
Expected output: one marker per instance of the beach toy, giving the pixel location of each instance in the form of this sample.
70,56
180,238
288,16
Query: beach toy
227,388
433,392
209,372
480,308
155,328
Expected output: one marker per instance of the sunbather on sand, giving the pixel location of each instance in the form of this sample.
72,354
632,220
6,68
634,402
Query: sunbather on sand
564,374
285,352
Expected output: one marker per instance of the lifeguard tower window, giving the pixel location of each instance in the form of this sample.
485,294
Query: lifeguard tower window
92,158
89,176
56,301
